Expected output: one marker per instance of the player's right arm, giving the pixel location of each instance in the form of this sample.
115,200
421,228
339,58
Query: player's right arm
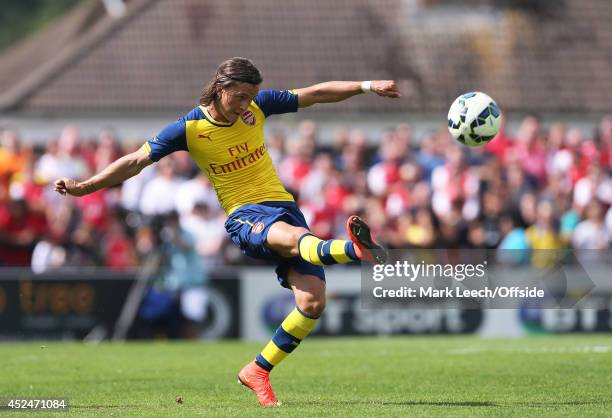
117,172
171,138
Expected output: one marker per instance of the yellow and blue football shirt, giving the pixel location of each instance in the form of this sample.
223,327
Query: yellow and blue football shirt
233,155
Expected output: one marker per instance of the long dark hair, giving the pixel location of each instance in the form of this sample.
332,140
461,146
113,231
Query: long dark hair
231,71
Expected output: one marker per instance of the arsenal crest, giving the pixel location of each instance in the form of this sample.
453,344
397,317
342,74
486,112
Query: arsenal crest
257,227
249,118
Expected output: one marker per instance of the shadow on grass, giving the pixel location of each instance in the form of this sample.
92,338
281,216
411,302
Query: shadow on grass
399,403
453,403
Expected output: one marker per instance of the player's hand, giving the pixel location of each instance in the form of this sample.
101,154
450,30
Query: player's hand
385,88
69,186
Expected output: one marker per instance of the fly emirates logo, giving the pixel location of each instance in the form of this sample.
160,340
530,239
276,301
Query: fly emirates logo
243,157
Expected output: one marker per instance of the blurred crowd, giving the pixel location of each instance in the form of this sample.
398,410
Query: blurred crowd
539,187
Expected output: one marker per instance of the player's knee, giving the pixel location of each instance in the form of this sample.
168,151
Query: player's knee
283,238
312,304
296,234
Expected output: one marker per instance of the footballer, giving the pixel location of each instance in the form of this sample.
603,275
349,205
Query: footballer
224,135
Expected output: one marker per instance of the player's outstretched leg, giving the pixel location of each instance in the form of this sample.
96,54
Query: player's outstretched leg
291,241
366,248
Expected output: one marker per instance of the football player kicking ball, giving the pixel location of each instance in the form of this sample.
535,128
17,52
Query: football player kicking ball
225,137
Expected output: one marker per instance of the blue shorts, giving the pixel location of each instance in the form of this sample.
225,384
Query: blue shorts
248,227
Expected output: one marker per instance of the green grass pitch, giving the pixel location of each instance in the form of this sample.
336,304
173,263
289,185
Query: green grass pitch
401,376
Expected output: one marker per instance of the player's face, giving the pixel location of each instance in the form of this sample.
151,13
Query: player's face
235,100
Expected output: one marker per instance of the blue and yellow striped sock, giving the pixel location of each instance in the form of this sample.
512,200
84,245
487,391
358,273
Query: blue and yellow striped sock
323,253
287,337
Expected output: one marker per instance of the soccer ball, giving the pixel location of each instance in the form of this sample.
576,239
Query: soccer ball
473,119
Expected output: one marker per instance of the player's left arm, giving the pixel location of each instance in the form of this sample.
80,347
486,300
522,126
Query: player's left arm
336,91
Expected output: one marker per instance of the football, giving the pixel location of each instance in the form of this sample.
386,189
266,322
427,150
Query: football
474,119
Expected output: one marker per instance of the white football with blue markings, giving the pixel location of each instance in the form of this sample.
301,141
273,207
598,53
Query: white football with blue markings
474,119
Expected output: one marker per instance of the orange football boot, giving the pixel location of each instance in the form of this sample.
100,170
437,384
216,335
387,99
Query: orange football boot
258,380
365,247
